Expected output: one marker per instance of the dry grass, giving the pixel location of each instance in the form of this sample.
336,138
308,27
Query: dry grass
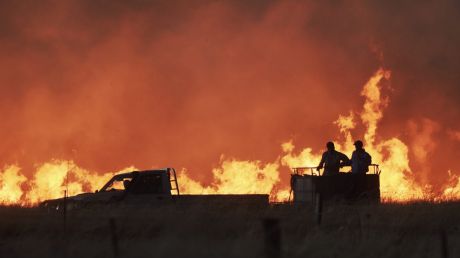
387,230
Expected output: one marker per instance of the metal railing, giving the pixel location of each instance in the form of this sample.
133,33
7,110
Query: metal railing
373,169
301,171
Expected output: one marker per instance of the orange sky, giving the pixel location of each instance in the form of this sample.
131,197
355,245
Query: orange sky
111,84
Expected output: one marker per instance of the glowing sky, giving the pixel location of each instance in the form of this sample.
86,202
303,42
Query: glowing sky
111,84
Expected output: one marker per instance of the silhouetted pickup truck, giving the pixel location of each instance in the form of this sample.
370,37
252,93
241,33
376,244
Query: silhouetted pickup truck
150,187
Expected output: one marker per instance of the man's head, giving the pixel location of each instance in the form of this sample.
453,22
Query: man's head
358,145
126,184
330,146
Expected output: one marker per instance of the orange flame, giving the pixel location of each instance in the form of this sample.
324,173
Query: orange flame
253,177
452,190
10,185
238,177
50,181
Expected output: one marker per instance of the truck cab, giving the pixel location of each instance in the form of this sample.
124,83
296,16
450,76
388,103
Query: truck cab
133,187
145,182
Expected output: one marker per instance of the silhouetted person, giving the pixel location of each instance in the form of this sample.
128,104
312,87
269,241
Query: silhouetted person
332,160
126,184
360,159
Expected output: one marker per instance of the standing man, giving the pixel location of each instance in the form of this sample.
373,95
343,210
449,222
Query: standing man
360,159
332,160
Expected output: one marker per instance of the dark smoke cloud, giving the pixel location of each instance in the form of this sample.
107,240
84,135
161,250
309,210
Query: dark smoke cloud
159,83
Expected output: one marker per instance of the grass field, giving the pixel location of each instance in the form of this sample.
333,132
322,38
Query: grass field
386,230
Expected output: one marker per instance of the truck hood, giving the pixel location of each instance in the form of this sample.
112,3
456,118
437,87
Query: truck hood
88,197
82,196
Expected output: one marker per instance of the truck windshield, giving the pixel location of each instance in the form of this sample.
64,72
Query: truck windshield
118,183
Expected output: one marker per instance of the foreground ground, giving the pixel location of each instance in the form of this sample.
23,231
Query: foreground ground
386,230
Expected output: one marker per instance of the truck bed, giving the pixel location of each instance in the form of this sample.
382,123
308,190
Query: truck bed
192,199
224,199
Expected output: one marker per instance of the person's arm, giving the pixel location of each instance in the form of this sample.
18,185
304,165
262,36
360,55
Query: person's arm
368,159
321,163
345,161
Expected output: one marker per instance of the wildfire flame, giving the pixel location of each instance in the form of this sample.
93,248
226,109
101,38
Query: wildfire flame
239,177
233,176
50,180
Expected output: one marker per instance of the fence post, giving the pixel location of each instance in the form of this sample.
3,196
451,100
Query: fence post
114,237
444,244
64,225
318,208
272,233
64,212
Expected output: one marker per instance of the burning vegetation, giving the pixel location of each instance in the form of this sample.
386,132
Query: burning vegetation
233,176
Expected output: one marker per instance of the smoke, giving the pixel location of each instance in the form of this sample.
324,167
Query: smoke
110,84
